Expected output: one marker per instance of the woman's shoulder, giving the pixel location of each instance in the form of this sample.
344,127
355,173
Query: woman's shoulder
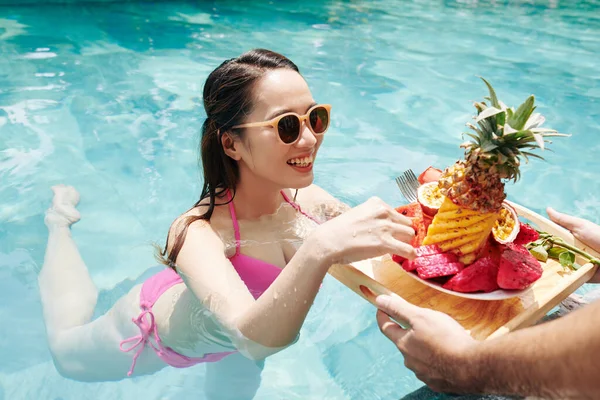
317,201
196,219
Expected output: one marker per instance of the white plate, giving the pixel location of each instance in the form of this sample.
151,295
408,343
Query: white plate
498,294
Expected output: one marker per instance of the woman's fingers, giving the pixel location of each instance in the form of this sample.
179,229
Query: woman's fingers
401,248
402,232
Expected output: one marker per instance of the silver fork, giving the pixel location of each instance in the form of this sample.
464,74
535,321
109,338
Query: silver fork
408,184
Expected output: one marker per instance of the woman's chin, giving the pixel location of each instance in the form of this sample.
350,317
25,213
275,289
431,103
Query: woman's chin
301,183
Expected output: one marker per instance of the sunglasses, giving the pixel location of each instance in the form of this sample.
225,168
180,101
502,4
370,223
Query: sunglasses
289,125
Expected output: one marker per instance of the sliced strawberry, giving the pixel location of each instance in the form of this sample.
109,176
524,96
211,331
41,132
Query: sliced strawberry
440,269
527,234
518,268
478,277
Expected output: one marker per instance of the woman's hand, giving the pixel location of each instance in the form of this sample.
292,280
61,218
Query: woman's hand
368,230
585,231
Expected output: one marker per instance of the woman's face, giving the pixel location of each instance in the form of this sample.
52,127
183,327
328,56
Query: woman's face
261,151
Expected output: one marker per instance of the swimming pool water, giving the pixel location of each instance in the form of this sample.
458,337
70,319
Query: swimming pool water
107,97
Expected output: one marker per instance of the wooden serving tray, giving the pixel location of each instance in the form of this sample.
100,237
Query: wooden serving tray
482,318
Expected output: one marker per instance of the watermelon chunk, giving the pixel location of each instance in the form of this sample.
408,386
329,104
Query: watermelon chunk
518,268
414,212
439,270
477,277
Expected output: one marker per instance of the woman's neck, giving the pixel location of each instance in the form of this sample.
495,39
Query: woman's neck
254,197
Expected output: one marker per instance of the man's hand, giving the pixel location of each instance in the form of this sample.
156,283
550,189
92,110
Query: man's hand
584,230
435,347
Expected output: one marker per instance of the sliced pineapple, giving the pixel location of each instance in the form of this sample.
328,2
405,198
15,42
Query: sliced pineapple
460,231
453,244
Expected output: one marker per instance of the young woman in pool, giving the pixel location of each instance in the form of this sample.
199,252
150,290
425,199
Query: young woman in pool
244,263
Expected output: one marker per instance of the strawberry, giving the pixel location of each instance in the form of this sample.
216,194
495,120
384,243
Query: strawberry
479,276
527,234
431,174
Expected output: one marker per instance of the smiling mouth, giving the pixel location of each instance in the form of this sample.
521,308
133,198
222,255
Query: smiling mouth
301,162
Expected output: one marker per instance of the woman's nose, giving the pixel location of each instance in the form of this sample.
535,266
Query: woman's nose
308,138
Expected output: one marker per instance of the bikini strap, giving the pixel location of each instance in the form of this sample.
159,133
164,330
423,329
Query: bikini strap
297,207
236,225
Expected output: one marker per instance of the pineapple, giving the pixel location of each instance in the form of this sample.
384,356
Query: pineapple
474,187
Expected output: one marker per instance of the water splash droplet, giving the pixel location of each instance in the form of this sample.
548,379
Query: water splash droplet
369,230
275,295
354,234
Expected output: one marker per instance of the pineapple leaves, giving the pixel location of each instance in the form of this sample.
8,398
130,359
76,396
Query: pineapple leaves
539,139
488,112
475,138
527,153
493,97
502,137
520,117
489,146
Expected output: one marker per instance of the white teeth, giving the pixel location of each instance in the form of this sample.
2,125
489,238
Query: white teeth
301,162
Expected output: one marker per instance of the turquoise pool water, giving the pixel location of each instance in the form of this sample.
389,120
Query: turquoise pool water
107,97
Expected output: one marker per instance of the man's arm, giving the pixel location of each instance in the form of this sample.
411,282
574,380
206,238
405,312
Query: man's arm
557,359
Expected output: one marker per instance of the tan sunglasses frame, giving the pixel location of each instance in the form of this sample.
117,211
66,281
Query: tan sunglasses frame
303,119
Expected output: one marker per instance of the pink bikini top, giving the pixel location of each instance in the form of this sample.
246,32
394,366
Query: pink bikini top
256,274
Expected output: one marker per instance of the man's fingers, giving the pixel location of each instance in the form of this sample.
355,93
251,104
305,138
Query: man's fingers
389,328
564,220
397,308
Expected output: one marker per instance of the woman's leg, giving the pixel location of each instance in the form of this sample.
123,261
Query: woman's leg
83,350
233,378
67,292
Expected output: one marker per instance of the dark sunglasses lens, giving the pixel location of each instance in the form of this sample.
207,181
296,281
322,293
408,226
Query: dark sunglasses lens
319,119
289,128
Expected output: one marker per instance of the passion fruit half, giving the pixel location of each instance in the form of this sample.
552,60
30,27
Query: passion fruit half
507,226
430,197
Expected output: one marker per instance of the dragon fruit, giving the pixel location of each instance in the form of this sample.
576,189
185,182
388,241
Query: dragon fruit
477,277
527,234
518,268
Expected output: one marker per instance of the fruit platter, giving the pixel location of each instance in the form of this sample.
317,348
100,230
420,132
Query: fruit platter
490,263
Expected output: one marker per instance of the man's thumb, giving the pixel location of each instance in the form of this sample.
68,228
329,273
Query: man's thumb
567,221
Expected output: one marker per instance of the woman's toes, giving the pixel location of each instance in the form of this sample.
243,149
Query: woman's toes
63,211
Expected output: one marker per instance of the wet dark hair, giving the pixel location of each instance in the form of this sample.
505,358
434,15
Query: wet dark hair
228,98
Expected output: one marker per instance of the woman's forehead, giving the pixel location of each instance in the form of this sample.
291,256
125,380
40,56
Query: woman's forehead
282,88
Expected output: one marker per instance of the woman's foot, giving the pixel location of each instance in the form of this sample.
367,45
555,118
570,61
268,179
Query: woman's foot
63,211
